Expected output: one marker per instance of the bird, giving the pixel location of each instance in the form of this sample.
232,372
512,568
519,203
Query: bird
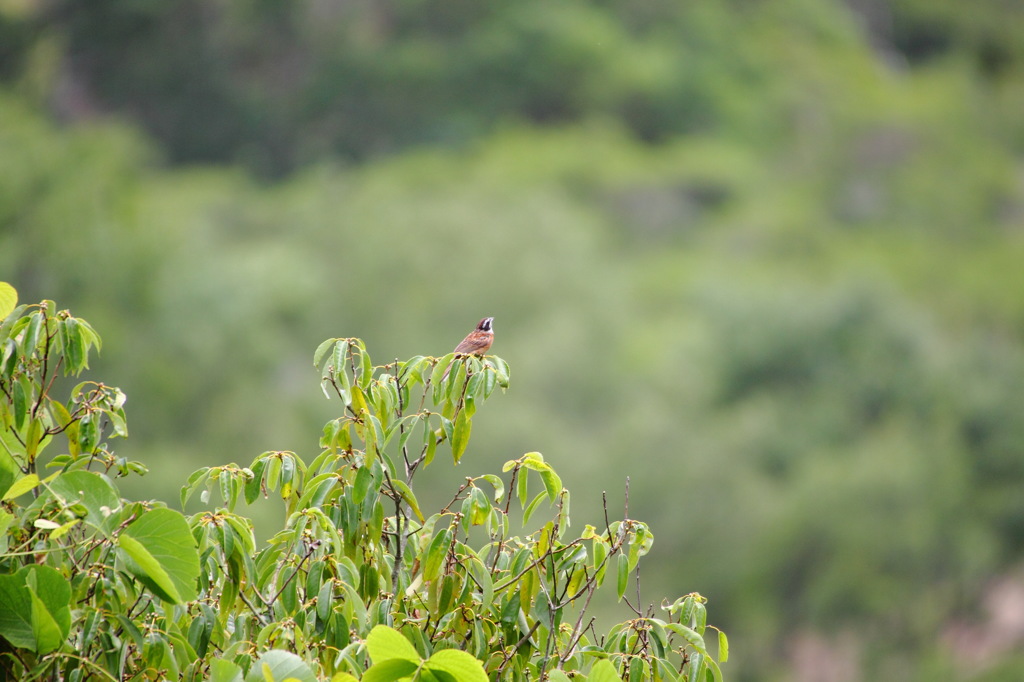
476,342
479,340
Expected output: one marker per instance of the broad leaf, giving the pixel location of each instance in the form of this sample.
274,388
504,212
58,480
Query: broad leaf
93,491
279,666
389,670
34,608
603,671
460,665
8,299
460,436
222,670
21,486
384,643
159,550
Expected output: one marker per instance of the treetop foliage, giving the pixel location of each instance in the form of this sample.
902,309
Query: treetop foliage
359,583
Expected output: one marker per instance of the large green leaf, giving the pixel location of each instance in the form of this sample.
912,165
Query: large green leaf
159,550
321,350
460,437
9,472
409,498
280,665
21,486
8,299
34,608
462,666
93,491
389,670
383,643
343,677
603,671
436,554
222,670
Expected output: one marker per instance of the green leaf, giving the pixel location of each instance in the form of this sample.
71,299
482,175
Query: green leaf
522,485
502,370
499,486
8,358
132,630
8,299
365,366
482,575
48,633
603,671
253,485
343,677
6,519
460,436
389,670
118,422
20,401
273,471
723,647
623,575
74,346
339,362
89,335
716,672
694,667
21,486
691,636
511,610
436,553
159,550
34,608
222,670
61,531
439,371
459,664
364,477
552,483
89,432
385,643
528,512
480,507
93,491
279,666
321,350
31,338
147,568
409,498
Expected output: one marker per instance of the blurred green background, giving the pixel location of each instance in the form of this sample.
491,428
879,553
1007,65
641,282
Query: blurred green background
765,258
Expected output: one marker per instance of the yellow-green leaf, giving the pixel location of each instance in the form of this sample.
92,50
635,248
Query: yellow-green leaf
8,299
460,437
384,643
21,486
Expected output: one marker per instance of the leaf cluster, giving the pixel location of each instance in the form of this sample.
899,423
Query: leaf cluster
359,583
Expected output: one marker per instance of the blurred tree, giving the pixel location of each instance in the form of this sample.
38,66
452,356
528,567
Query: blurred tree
277,85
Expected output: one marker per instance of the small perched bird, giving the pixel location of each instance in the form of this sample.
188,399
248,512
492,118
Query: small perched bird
476,342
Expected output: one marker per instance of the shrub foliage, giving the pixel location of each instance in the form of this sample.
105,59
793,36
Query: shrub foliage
360,583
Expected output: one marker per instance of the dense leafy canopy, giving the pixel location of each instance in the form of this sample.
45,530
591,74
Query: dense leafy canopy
357,584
